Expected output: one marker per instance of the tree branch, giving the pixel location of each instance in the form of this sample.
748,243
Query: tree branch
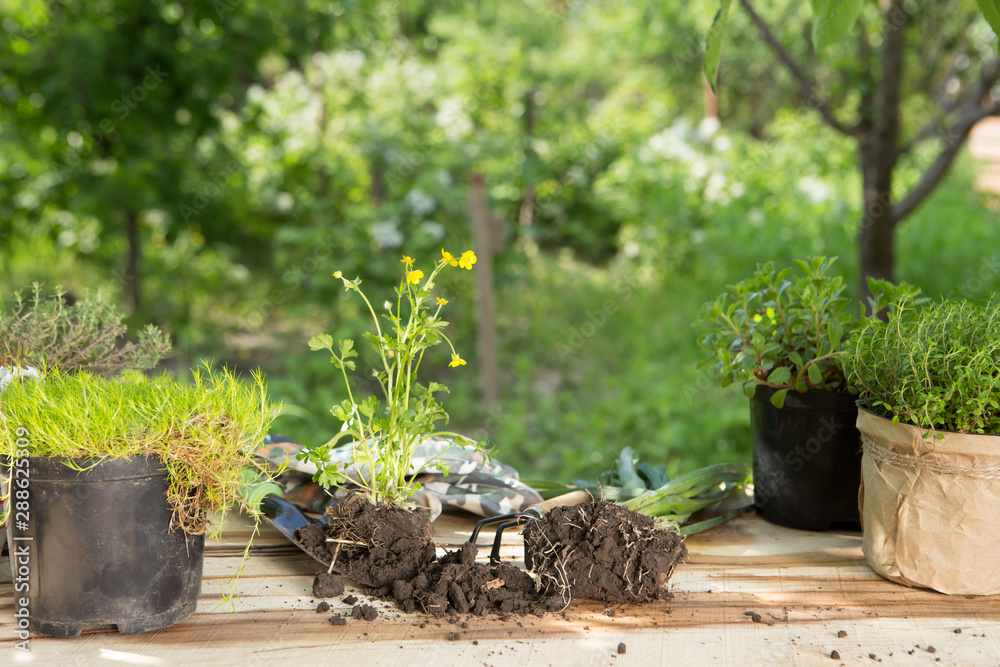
942,163
987,77
807,86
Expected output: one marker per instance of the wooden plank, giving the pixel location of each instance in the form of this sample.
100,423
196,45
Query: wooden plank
804,586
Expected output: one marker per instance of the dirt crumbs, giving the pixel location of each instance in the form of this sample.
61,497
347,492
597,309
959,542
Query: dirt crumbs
365,612
622,648
602,551
327,586
373,544
322,607
841,633
835,654
338,620
457,583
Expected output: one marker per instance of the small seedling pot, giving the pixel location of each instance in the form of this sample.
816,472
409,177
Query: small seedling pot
807,459
95,548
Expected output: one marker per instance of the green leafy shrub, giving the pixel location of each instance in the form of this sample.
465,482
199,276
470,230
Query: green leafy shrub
781,333
936,367
85,336
789,334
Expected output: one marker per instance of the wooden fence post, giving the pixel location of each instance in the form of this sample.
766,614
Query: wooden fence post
484,243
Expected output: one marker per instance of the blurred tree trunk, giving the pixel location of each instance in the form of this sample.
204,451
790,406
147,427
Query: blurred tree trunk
878,152
133,291
377,174
526,216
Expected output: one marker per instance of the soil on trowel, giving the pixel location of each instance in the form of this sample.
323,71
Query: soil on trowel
602,551
373,544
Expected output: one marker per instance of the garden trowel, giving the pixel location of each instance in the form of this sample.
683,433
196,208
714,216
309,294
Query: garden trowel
266,496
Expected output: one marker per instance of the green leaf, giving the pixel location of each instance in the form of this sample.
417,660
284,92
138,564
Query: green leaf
368,406
713,44
749,388
796,358
778,398
836,335
655,476
780,375
815,374
321,342
991,10
347,349
627,475
833,20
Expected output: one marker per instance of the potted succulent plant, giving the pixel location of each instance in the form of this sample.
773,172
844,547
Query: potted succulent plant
929,388
372,536
781,335
109,485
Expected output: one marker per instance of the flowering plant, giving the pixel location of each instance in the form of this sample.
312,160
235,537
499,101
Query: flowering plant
386,434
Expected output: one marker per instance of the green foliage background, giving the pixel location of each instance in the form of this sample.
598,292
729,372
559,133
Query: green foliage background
277,142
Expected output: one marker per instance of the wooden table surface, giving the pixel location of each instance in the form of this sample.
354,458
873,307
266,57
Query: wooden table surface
750,593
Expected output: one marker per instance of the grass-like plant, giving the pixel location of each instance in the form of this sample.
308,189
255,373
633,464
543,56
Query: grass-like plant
787,331
387,431
203,432
86,336
936,367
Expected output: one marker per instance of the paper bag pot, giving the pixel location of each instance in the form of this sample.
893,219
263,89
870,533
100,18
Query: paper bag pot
807,459
95,548
929,507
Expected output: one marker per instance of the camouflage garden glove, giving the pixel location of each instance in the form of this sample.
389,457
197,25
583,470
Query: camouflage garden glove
473,484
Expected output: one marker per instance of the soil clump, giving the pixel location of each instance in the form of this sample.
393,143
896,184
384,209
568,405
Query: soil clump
458,584
327,586
373,544
602,551
596,550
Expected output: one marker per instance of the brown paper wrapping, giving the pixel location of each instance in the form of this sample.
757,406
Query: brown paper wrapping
930,508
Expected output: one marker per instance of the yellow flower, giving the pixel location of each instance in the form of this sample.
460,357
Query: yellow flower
407,260
338,274
456,360
414,276
448,258
468,259
442,302
770,313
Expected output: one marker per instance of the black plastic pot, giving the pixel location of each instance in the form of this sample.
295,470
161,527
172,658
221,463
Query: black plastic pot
807,459
99,549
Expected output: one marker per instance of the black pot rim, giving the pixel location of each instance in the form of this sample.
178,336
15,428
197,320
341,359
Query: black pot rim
96,468
814,399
